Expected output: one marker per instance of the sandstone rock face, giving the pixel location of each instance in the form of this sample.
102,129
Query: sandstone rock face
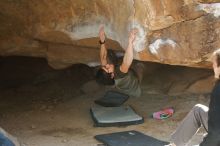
180,32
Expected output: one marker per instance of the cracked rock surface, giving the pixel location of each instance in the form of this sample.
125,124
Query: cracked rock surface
180,32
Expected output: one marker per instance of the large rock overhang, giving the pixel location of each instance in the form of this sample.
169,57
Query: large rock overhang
180,32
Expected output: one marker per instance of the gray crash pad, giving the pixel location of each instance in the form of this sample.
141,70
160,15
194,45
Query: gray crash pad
115,116
129,138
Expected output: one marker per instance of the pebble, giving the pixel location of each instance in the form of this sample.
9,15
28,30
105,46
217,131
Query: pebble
33,127
64,140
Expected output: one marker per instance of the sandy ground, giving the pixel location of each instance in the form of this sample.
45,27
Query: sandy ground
52,109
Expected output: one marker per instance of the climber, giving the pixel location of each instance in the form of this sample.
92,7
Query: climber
201,115
125,76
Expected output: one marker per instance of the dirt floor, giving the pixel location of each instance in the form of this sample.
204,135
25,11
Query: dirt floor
45,107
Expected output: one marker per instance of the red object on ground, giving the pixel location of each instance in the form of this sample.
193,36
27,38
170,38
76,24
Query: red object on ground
163,114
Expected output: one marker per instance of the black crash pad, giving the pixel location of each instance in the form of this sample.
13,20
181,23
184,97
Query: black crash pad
112,99
129,138
115,116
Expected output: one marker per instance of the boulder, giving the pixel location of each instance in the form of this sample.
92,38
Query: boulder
180,32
